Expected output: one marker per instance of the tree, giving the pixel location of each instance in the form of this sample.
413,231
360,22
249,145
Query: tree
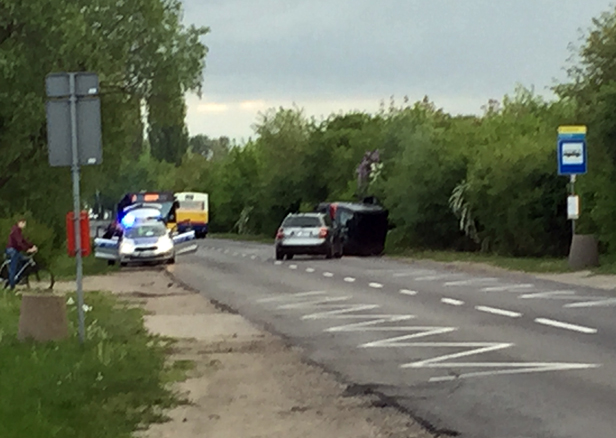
129,45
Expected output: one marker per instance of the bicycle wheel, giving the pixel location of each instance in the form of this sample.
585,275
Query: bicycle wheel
44,278
4,275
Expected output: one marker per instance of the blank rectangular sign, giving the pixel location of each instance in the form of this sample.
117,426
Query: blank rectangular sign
89,143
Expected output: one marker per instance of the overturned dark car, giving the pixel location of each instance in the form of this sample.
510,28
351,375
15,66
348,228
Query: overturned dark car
363,226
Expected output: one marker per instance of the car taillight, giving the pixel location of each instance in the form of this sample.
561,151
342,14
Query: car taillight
323,233
280,233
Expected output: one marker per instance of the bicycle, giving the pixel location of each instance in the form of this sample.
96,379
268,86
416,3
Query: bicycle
28,268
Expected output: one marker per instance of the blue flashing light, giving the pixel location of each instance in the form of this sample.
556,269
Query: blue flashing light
128,221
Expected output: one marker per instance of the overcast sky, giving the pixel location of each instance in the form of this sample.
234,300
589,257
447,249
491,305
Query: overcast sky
332,55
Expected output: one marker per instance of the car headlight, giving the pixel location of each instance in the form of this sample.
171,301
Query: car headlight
127,247
165,244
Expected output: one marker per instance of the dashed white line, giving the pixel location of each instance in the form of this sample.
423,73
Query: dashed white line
452,302
408,292
349,279
278,262
328,274
309,269
292,266
565,325
253,257
500,312
375,285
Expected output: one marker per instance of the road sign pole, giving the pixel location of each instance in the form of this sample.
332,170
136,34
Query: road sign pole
77,207
572,184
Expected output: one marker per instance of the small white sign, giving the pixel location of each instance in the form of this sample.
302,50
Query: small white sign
573,207
573,153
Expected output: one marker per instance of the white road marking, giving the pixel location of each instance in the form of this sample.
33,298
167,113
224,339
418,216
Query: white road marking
244,255
319,303
226,251
408,292
565,325
598,303
369,326
510,368
469,282
292,266
234,254
553,295
328,274
511,287
433,277
375,285
341,309
309,269
500,312
278,262
452,302
349,279
286,297
253,257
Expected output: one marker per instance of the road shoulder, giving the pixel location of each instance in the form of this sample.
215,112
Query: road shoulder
244,381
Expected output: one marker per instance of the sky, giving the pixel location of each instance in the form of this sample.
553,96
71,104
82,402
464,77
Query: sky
332,56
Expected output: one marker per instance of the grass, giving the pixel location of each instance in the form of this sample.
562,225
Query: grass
523,264
63,267
109,387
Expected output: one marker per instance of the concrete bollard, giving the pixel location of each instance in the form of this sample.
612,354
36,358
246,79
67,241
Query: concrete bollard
43,317
584,252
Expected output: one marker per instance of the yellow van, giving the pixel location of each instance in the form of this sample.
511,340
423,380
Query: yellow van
192,213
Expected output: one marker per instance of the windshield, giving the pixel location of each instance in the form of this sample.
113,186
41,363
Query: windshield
192,205
302,221
150,230
165,209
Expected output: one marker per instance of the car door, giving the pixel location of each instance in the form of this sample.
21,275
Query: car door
107,249
184,242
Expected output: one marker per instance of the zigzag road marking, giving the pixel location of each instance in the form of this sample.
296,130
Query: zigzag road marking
599,303
330,308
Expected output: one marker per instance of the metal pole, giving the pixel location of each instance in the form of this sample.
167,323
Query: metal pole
77,208
572,183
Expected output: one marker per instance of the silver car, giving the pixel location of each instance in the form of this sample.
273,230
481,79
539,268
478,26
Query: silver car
147,241
308,233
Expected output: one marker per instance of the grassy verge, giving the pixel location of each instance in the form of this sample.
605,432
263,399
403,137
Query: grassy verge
242,237
523,264
108,388
63,267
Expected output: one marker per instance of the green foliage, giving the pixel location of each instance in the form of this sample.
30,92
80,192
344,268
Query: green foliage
107,388
146,60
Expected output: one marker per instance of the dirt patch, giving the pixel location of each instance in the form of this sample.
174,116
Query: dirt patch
246,382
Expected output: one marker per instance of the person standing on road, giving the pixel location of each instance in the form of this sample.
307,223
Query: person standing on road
16,244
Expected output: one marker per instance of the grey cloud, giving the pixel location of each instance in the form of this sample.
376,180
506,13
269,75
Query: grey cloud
367,48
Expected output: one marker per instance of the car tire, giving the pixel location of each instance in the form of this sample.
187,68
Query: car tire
111,262
123,264
289,256
279,255
171,261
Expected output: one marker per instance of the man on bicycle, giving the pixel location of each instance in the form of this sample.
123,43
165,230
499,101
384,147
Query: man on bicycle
15,245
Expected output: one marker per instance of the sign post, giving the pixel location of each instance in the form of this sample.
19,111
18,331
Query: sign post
74,138
572,161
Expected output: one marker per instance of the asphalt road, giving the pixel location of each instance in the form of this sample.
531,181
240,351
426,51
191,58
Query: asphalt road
469,354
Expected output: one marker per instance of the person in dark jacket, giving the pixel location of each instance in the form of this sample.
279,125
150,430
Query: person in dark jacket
17,244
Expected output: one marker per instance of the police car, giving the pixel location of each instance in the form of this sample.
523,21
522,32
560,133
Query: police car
141,236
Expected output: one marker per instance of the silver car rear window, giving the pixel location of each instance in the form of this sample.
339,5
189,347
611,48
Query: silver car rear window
302,221
156,230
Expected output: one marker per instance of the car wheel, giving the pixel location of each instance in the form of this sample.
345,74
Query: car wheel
110,262
123,264
171,261
289,256
279,255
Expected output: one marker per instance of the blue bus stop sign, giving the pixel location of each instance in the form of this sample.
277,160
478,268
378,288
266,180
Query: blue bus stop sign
572,153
